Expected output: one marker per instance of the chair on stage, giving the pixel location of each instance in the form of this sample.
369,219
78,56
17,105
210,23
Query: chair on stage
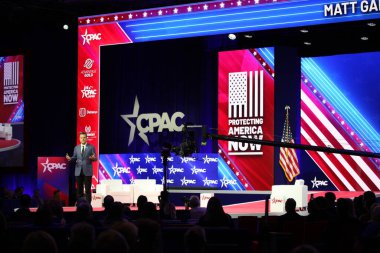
148,188
115,187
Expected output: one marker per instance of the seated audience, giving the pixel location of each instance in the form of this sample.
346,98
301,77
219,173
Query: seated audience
196,211
215,215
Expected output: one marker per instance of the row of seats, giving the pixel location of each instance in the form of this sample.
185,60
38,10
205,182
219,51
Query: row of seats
126,193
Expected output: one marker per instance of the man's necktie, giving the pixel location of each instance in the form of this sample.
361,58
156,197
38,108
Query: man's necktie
82,150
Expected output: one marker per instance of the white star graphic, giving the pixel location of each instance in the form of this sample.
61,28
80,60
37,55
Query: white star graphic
175,11
189,9
116,18
257,1
314,182
145,14
238,3
159,12
205,7
221,5
130,16
45,165
101,19
88,21
126,117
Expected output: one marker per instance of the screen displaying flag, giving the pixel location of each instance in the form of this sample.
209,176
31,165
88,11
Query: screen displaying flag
288,156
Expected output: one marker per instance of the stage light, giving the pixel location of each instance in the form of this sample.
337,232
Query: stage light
248,36
232,36
364,38
65,27
307,43
304,31
371,24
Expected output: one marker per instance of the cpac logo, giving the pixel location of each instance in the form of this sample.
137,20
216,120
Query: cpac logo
225,182
157,170
187,159
88,92
173,170
95,197
185,181
148,122
208,160
52,166
276,201
170,159
141,170
134,159
208,182
88,63
87,38
120,170
150,159
168,181
317,183
197,170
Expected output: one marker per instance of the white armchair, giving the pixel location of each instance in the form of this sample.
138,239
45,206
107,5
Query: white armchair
115,187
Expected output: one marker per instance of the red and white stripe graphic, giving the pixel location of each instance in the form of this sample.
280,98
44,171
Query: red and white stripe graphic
320,128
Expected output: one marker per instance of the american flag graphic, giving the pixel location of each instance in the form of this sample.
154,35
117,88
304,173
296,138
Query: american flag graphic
11,73
288,156
245,95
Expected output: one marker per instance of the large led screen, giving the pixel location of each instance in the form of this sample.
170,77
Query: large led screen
340,96
11,111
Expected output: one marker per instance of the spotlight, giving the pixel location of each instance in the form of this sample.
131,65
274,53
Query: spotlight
364,38
304,31
307,43
248,36
232,36
371,24
65,27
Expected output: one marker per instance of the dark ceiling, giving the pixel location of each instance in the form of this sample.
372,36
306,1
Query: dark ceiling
26,15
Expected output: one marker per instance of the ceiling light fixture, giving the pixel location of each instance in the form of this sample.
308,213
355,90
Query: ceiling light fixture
364,38
304,31
232,36
307,43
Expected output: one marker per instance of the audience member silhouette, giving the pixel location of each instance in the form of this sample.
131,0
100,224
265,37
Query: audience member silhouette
196,212
82,238
195,240
215,215
167,209
39,242
111,241
129,231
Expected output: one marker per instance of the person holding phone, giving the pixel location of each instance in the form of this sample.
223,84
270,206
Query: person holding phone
84,154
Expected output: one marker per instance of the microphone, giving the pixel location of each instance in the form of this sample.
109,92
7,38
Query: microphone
204,135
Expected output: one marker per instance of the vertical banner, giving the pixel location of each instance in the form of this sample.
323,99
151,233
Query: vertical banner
53,178
245,110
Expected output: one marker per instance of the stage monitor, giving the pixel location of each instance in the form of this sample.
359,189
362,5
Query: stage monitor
340,96
11,112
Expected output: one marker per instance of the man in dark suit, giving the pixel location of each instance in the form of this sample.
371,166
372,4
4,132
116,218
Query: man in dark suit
84,154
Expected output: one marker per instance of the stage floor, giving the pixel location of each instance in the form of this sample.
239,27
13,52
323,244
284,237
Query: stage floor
254,208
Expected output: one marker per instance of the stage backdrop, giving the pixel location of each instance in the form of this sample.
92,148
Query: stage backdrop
339,110
53,178
11,111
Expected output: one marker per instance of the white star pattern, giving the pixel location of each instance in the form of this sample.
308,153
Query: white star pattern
221,5
130,16
257,1
189,9
175,11
159,12
205,7
145,14
101,19
238,3
116,18
88,21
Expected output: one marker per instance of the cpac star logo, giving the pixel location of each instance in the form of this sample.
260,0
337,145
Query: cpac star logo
157,170
173,170
185,181
120,170
150,159
132,159
195,170
87,38
187,159
151,122
209,159
170,159
317,183
168,181
88,92
208,182
52,166
225,182
132,180
141,170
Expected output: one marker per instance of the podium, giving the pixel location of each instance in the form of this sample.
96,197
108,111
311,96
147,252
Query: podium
280,193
